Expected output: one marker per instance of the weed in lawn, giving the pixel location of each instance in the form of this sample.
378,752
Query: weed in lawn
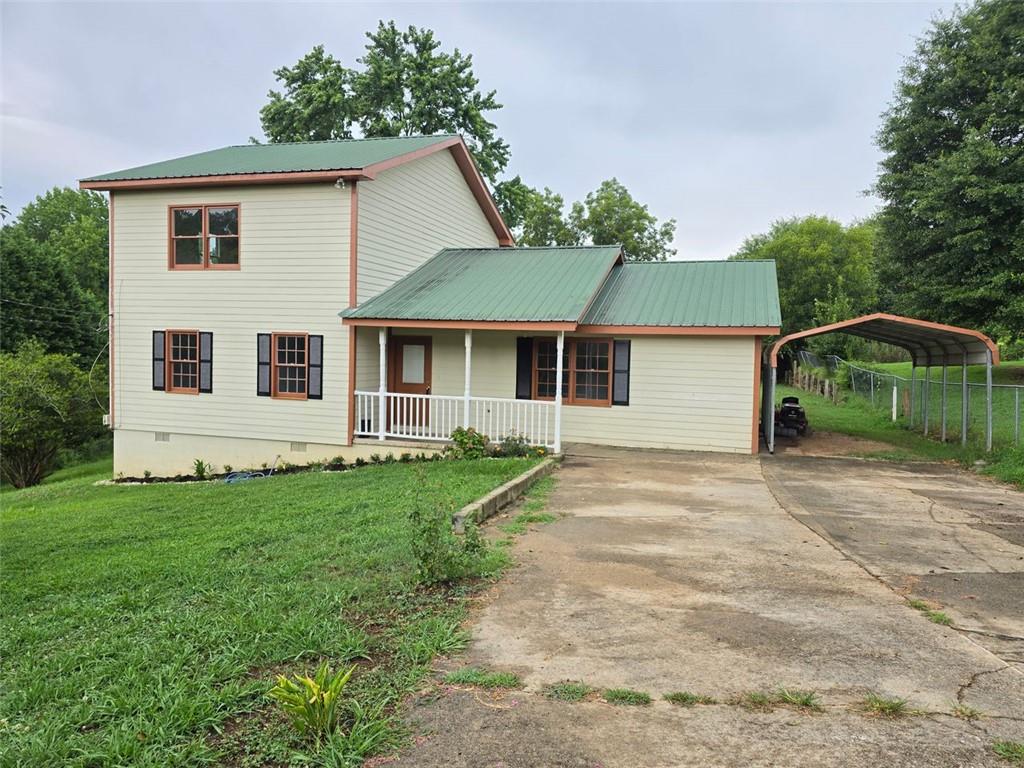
966,712
435,636
568,691
369,731
801,699
481,678
313,702
884,706
1010,750
626,697
687,699
757,700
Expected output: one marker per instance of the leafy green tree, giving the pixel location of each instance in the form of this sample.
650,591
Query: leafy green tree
45,405
611,215
407,86
41,299
953,176
824,269
72,225
535,218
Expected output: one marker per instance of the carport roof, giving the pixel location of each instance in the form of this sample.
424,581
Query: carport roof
928,343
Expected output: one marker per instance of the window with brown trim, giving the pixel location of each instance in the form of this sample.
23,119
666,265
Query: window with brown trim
586,371
204,237
290,375
183,362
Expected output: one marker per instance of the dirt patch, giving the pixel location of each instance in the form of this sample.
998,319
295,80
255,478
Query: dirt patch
829,444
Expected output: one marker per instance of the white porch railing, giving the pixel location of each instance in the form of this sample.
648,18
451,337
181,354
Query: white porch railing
435,417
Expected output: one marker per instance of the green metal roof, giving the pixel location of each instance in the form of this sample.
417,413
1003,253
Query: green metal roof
689,293
341,155
497,284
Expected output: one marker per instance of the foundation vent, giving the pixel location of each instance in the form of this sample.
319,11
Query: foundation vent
162,437
298,447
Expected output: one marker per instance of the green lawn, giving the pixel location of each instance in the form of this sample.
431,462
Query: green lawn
142,625
855,416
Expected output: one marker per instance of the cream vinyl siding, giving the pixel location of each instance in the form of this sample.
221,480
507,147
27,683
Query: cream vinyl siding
409,213
294,245
686,392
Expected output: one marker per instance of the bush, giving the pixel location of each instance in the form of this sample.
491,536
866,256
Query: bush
515,445
313,703
467,444
441,556
45,405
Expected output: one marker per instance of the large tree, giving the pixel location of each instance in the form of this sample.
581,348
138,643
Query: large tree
71,225
406,85
825,270
953,176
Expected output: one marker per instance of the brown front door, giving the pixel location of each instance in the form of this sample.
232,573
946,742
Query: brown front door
409,373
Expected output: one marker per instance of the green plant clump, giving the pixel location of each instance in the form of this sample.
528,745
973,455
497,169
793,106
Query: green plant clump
201,469
1010,750
481,678
313,704
687,699
885,707
626,697
467,444
568,691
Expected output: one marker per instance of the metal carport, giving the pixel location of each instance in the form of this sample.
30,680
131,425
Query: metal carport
929,344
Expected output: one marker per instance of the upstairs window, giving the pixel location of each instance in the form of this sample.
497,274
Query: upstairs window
204,237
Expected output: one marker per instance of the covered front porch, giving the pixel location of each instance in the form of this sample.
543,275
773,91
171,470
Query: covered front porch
420,384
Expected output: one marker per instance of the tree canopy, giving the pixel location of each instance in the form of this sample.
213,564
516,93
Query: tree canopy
825,270
953,176
406,86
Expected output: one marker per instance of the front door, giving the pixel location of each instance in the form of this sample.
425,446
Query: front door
409,374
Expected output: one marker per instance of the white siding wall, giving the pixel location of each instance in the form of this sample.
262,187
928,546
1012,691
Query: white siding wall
409,213
686,392
293,277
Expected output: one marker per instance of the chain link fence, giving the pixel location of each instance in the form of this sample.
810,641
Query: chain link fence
931,405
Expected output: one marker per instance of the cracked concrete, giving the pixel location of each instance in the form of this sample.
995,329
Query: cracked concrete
669,572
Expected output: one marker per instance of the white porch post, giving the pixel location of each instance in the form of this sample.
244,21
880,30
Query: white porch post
469,368
558,392
382,391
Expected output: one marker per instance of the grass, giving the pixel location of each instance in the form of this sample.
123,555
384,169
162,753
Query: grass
687,699
855,416
795,698
757,700
1010,750
481,678
143,625
934,616
885,707
535,501
966,712
568,691
626,697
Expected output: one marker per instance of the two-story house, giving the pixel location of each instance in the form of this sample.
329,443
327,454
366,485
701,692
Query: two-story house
314,299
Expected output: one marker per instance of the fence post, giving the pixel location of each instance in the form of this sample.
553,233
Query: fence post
965,402
894,395
944,372
1016,416
871,379
927,396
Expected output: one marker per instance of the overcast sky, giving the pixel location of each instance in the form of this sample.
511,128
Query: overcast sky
723,116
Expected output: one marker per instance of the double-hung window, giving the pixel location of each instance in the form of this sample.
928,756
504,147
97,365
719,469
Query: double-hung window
204,237
291,365
586,371
183,361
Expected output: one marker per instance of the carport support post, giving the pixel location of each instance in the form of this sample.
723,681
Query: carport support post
965,401
382,339
945,371
469,362
988,399
558,392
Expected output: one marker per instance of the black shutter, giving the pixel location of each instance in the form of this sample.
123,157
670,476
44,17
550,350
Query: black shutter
263,364
159,361
316,368
620,376
524,368
205,361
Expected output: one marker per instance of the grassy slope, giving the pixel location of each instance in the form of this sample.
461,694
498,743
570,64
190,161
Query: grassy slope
137,619
855,417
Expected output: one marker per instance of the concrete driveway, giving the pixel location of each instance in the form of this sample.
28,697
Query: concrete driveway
710,574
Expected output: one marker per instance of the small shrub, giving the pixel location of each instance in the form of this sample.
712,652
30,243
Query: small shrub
514,445
568,691
337,464
228,469
313,704
360,462
316,466
481,678
626,697
687,699
467,444
405,458
375,458
201,469
389,458
885,707
147,474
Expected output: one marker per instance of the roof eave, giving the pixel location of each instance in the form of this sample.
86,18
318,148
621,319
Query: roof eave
468,325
